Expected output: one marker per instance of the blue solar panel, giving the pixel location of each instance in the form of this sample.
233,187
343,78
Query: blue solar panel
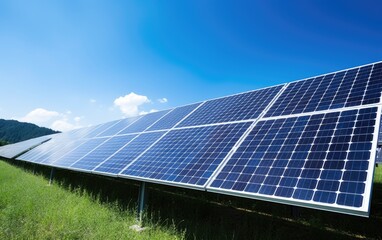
173,117
59,149
144,122
233,108
322,158
357,86
78,152
127,154
101,128
380,134
187,156
104,151
124,123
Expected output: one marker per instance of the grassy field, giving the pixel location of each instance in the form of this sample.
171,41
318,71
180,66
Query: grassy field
30,209
80,206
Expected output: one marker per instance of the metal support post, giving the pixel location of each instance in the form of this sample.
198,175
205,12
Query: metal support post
51,175
142,202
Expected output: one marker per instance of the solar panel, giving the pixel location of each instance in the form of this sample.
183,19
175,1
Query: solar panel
101,128
12,150
58,150
78,152
173,117
380,134
128,153
353,87
319,160
242,106
309,143
102,152
144,122
187,156
124,123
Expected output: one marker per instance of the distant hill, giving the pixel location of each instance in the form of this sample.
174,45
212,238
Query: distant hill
12,131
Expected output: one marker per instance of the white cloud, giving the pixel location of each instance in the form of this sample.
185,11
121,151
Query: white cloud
78,119
130,103
163,100
63,125
39,116
52,119
92,100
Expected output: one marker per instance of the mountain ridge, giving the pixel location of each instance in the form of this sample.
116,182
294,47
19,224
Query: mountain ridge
12,131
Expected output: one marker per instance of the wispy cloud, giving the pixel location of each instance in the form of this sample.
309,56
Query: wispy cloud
163,100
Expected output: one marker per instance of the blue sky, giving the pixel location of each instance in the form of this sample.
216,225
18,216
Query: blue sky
66,64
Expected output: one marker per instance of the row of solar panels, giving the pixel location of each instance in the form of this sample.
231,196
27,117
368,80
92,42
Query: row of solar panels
308,143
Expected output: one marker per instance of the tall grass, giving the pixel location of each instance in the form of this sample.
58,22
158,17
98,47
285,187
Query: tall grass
30,209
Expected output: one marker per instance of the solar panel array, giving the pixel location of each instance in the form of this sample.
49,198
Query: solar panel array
13,150
308,143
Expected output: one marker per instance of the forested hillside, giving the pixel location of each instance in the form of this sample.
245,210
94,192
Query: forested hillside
12,131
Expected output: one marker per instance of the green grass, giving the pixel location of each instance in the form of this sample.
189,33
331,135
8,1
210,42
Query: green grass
81,206
30,209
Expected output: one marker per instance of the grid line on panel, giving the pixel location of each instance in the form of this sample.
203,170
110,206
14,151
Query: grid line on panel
352,87
50,157
242,138
302,158
243,106
102,152
187,156
174,117
78,152
128,153
144,122
105,128
120,126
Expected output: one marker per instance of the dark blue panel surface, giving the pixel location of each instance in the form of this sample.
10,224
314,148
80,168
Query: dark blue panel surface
173,117
144,122
102,152
233,108
320,158
127,154
358,86
187,155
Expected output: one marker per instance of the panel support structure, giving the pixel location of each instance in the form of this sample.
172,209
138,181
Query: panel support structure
141,202
52,171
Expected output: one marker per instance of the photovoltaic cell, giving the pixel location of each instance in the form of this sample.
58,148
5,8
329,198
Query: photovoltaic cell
79,151
102,152
144,122
233,108
187,156
358,86
127,154
173,117
321,158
